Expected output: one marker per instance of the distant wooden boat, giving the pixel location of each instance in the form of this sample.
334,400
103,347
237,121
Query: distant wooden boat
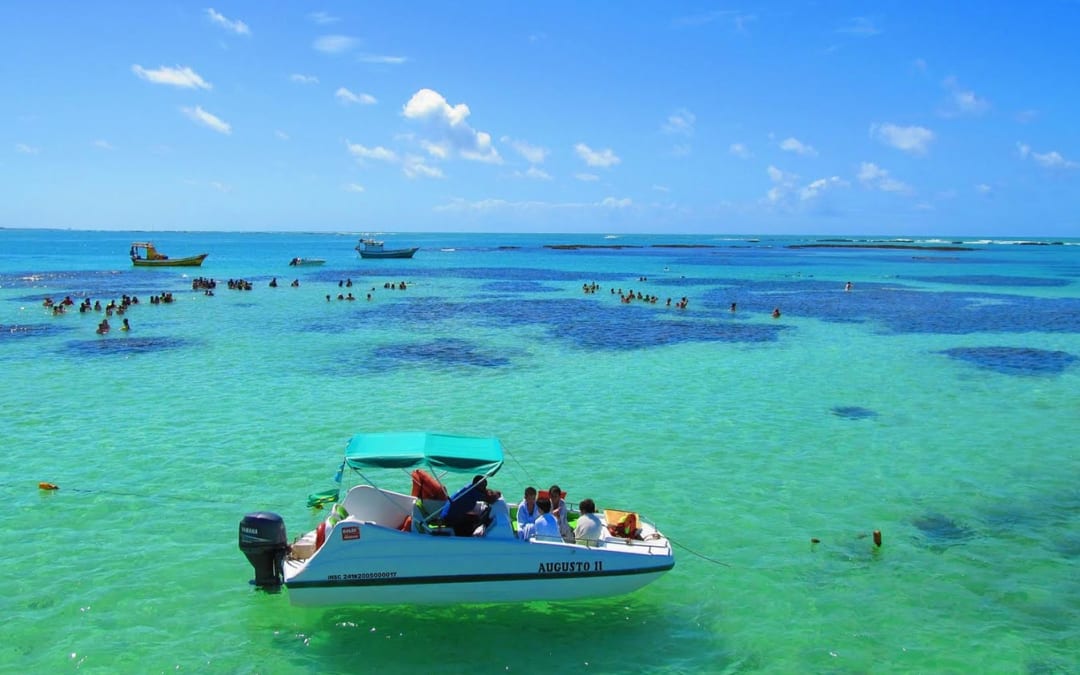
371,248
306,262
144,254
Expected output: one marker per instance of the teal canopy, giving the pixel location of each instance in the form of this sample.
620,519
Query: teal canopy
419,450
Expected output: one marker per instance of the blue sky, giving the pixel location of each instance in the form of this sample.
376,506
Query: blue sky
819,117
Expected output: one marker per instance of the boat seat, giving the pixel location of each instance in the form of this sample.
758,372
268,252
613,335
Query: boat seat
423,520
367,503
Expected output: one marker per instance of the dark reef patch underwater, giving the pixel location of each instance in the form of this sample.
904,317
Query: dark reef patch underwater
30,330
940,531
450,352
901,309
124,346
1014,360
853,412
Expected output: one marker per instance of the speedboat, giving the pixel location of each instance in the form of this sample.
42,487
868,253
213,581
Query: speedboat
379,546
306,262
372,248
144,254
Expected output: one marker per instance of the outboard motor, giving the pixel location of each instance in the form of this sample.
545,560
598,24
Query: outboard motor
264,542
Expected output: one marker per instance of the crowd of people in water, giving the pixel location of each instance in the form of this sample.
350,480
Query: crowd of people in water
682,303
207,285
110,309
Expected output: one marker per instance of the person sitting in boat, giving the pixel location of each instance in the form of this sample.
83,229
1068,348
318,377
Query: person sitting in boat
500,526
463,512
546,527
561,513
273,283
527,512
590,529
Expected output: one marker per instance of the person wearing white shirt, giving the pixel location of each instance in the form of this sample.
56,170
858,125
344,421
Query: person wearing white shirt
527,512
590,529
546,527
561,513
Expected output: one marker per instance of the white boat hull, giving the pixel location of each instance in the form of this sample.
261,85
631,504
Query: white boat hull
364,557
365,563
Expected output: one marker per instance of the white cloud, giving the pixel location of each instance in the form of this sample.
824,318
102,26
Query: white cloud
354,187
484,151
347,97
533,154
871,173
1049,160
738,19
860,26
533,172
440,150
915,140
680,122
493,205
874,177
334,44
586,177
740,150
430,104
322,18
414,166
281,134
26,149
783,183
200,116
383,59
1027,116
817,187
602,158
238,27
221,187
362,152
183,77
102,144
304,79
661,188
962,101
983,189
449,122
798,147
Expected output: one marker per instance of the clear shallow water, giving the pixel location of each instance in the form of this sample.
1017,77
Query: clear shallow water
938,402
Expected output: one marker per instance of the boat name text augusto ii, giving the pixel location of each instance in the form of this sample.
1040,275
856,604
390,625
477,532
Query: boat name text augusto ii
562,567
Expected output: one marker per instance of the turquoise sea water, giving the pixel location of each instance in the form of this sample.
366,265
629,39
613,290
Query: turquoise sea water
938,401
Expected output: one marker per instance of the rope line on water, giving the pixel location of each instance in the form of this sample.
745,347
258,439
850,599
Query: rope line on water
52,487
700,555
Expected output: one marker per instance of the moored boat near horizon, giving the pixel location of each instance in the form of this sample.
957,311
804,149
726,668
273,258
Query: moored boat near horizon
373,248
382,547
306,262
144,254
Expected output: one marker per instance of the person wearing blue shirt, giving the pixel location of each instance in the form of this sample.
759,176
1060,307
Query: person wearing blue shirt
460,512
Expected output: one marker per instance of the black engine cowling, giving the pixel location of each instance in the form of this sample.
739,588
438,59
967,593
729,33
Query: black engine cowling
264,542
